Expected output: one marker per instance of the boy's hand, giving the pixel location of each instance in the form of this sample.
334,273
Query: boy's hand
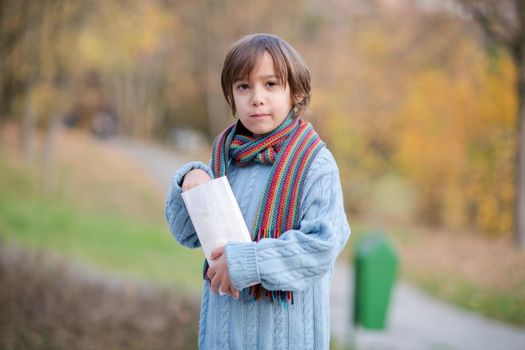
194,178
220,276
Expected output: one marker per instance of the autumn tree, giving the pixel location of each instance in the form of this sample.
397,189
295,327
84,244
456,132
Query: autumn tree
503,23
35,43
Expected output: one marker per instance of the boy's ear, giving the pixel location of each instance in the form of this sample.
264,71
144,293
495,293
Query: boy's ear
298,98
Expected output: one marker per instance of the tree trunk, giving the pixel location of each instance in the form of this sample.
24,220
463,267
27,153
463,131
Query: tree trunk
216,107
519,229
28,133
49,171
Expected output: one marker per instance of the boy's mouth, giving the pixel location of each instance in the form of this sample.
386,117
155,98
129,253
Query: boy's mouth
260,115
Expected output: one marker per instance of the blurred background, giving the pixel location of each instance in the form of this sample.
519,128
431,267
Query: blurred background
101,101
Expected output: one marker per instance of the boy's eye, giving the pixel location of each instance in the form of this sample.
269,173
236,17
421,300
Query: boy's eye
242,86
272,83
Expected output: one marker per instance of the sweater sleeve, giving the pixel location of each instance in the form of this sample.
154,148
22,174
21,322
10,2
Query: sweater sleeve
298,257
177,216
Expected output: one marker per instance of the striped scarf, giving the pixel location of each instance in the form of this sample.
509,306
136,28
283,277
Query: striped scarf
291,148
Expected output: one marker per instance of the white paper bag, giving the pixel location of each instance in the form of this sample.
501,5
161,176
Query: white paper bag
215,215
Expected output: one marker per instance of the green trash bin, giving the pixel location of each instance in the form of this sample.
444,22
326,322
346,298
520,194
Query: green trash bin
376,263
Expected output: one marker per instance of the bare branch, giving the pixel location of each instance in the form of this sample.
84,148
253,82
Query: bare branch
519,6
498,20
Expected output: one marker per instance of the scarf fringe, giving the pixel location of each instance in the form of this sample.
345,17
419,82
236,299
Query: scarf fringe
277,297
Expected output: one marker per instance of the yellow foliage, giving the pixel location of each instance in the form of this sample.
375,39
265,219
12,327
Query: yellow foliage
457,143
125,32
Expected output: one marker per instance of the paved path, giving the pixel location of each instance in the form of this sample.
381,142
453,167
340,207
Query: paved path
159,162
417,321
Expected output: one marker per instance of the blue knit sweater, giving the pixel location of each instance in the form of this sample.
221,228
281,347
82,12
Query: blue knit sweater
301,261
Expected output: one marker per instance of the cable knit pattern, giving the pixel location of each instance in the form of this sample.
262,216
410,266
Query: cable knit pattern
308,319
252,317
203,317
299,260
280,328
224,314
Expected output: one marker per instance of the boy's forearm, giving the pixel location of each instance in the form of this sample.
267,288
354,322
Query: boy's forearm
177,216
281,265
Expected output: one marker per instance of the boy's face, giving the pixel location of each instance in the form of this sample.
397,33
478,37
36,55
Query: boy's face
262,102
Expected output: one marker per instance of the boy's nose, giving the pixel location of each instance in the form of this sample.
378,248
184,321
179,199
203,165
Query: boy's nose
257,102
257,98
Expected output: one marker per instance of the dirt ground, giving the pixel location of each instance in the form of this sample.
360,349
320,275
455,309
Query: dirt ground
47,304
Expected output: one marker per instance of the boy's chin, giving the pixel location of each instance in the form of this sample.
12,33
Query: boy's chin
256,131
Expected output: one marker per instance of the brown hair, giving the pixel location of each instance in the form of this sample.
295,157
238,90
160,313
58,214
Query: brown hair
289,66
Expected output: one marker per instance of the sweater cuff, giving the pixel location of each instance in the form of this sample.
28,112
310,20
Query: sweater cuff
242,264
176,181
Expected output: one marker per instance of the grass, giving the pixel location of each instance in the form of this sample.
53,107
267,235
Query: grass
116,241
503,305
109,242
